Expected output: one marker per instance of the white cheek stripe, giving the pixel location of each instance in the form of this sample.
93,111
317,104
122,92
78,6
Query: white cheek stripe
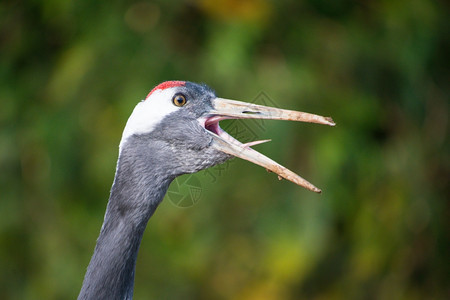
148,113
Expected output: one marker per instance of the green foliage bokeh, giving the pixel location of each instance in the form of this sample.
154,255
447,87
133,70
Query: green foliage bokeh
72,71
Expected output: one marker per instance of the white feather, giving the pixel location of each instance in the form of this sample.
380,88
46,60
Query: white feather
148,113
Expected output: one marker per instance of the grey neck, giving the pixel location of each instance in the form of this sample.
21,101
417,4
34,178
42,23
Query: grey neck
139,186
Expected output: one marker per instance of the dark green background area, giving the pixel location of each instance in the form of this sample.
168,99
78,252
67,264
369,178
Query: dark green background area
72,71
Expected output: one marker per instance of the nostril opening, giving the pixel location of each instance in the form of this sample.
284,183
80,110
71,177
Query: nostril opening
248,112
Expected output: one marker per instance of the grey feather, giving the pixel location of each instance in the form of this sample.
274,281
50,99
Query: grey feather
146,166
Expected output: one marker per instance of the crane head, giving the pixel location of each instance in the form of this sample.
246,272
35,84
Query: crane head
183,118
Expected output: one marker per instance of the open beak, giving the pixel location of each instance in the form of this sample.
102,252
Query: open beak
222,141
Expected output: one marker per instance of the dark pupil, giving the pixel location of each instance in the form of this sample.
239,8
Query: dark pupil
180,100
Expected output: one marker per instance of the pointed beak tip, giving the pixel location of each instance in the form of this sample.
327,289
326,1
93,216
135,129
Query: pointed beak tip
314,189
330,121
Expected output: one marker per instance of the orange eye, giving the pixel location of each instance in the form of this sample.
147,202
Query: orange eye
179,100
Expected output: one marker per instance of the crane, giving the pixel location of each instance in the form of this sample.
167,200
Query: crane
174,131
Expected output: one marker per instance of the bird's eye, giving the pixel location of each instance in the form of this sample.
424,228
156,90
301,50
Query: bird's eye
179,100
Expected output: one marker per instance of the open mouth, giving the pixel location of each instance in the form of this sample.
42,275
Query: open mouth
222,141
212,125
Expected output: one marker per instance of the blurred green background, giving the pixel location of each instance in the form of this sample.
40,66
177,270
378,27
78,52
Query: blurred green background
72,71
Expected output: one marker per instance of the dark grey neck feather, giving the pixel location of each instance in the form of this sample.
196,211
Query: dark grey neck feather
139,186
147,165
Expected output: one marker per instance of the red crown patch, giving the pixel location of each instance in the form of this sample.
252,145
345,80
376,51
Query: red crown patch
166,85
